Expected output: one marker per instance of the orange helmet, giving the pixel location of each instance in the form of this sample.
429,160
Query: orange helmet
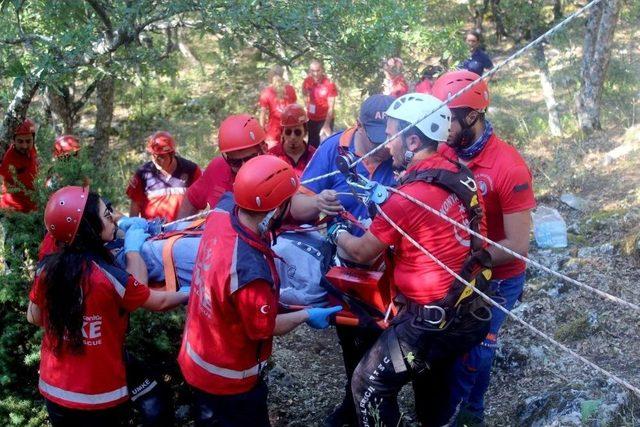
452,82
238,132
65,145
161,143
293,115
64,211
27,127
264,183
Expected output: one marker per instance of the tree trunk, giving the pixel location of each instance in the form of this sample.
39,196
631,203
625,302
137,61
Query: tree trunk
60,101
105,90
596,54
548,91
17,111
497,19
557,10
478,13
185,50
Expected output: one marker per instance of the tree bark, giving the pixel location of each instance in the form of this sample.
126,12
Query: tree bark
185,50
60,102
105,90
548,91
498,20
17,111
596,54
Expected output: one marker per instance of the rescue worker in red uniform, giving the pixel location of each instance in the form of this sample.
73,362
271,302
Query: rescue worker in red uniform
19,168
293,148
429,331
232,313
506,184
394,83
158,187
320,97
273,100
82,301
240,138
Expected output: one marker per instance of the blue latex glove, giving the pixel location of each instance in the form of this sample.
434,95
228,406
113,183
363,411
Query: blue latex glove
129,222
319,317
134,239
336,228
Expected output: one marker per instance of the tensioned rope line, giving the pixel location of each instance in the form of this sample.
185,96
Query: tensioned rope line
515,254
485,76
532,328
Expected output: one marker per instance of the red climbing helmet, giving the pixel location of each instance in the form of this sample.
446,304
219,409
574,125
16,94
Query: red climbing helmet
477,97
238,132
293,115
264,183
160,143
27,127
64,211
65,145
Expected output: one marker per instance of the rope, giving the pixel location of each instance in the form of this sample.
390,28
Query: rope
188,218
485,76
515,254
533,329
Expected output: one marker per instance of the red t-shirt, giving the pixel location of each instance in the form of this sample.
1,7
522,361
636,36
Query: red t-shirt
231,313
269,100
396,87
318,95
95,378
159,195
216,180
302,162
424,86
415,274
25,169
506,184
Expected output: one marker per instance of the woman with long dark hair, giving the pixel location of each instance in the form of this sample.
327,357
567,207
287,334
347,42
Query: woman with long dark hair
82,300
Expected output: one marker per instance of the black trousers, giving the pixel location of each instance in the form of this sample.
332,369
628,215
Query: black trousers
149,395
412,351
236,410
314,127
59,416
355,343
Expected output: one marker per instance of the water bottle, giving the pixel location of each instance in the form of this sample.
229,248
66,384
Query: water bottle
549,228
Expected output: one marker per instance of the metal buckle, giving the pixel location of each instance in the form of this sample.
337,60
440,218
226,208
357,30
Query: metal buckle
437,308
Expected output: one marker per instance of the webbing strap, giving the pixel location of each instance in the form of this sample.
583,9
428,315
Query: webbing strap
170,272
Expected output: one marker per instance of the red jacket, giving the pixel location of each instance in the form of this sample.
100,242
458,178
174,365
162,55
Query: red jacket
232,307
23,168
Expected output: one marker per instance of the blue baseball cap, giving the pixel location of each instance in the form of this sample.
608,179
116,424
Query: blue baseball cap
374,118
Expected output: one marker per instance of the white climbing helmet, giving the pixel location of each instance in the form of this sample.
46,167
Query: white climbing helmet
413,106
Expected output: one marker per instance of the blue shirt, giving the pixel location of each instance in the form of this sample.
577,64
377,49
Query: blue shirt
478,62
324,161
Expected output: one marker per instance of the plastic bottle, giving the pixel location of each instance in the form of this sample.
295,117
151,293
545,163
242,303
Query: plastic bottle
549,228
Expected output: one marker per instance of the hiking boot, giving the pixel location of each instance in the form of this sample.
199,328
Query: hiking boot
342,416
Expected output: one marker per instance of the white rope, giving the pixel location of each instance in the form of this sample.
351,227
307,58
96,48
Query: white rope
515,254
484,296
485,76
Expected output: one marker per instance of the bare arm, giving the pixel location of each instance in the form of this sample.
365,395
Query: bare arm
134,210
361,249
136,267
307,208
287,322
33,314
326,128
516,230
163,301
186,208
263,116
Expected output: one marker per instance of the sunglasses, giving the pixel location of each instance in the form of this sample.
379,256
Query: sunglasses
236,163
296,132
108,212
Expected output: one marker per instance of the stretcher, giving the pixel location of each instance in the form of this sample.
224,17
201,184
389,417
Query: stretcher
305,266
